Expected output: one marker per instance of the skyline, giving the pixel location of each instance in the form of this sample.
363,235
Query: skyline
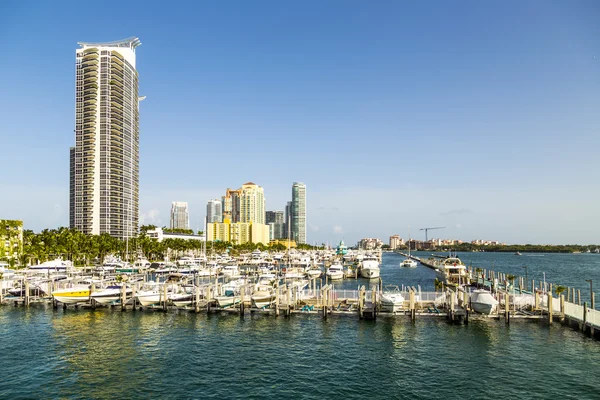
439,117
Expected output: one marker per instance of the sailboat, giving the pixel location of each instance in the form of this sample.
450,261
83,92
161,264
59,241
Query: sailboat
408,262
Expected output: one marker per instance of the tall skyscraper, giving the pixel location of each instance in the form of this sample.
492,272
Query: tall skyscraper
299,212
252,203
213,211
180,218
276,222
104,178
230,205
287,225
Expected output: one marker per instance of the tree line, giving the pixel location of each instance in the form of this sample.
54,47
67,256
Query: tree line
84,249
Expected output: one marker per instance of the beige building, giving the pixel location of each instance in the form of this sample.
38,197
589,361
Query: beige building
104,179
237,232
396,241
252,203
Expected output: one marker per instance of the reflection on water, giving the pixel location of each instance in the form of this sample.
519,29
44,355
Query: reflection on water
146,354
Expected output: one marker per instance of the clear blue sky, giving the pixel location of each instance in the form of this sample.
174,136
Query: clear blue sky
483,117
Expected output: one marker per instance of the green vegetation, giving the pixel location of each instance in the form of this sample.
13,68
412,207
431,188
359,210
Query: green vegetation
85,249
524,248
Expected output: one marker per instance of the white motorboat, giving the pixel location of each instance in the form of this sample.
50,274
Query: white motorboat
110,294
483,302
227,301
392,301
452,271
335,272
314,272
263,296
370,267
151,294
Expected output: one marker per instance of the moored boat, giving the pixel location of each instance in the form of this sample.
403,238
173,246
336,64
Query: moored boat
73,295
370,267
483,302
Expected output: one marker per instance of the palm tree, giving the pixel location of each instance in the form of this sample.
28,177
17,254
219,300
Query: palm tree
438,284
559,289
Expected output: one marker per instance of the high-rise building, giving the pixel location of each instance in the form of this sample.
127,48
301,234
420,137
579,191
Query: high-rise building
230,205
104,178
213,211
180,218
299,212
287,225
252,203
276,222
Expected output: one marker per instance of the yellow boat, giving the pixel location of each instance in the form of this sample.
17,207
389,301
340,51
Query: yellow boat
77,294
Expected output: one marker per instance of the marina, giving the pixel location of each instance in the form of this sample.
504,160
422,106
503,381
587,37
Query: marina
318,336
262,286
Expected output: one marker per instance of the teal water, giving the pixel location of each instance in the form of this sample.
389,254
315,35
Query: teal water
106,354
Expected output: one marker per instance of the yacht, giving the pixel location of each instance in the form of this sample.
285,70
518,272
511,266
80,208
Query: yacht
335,272
370,267
452,271
392,300
483,302
314,271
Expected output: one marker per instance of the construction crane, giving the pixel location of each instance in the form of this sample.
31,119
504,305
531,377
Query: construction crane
429,229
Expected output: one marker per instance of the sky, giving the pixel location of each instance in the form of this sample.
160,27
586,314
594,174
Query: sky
482,117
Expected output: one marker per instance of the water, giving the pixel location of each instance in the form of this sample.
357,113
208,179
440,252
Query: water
570,270
105,354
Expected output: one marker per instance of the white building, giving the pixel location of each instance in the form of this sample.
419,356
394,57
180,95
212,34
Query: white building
214,211
159,235
180,218
104,164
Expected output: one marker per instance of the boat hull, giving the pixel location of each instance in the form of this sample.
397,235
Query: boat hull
392,303
80,296
370,273
227,301
263,301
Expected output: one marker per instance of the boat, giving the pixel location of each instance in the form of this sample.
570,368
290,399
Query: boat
150,294
335,272
452,271
227,301
518,253
110,294
78,293
408,262
370,267
392,301
314,271
263,296
483,302
231,271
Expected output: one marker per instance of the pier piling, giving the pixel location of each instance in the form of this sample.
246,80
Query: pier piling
27,293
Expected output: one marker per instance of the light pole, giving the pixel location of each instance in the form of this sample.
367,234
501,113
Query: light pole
591,293
526,278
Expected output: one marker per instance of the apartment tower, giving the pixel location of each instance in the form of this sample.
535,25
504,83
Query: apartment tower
252,203
180,217
104,176
298,212
214,211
